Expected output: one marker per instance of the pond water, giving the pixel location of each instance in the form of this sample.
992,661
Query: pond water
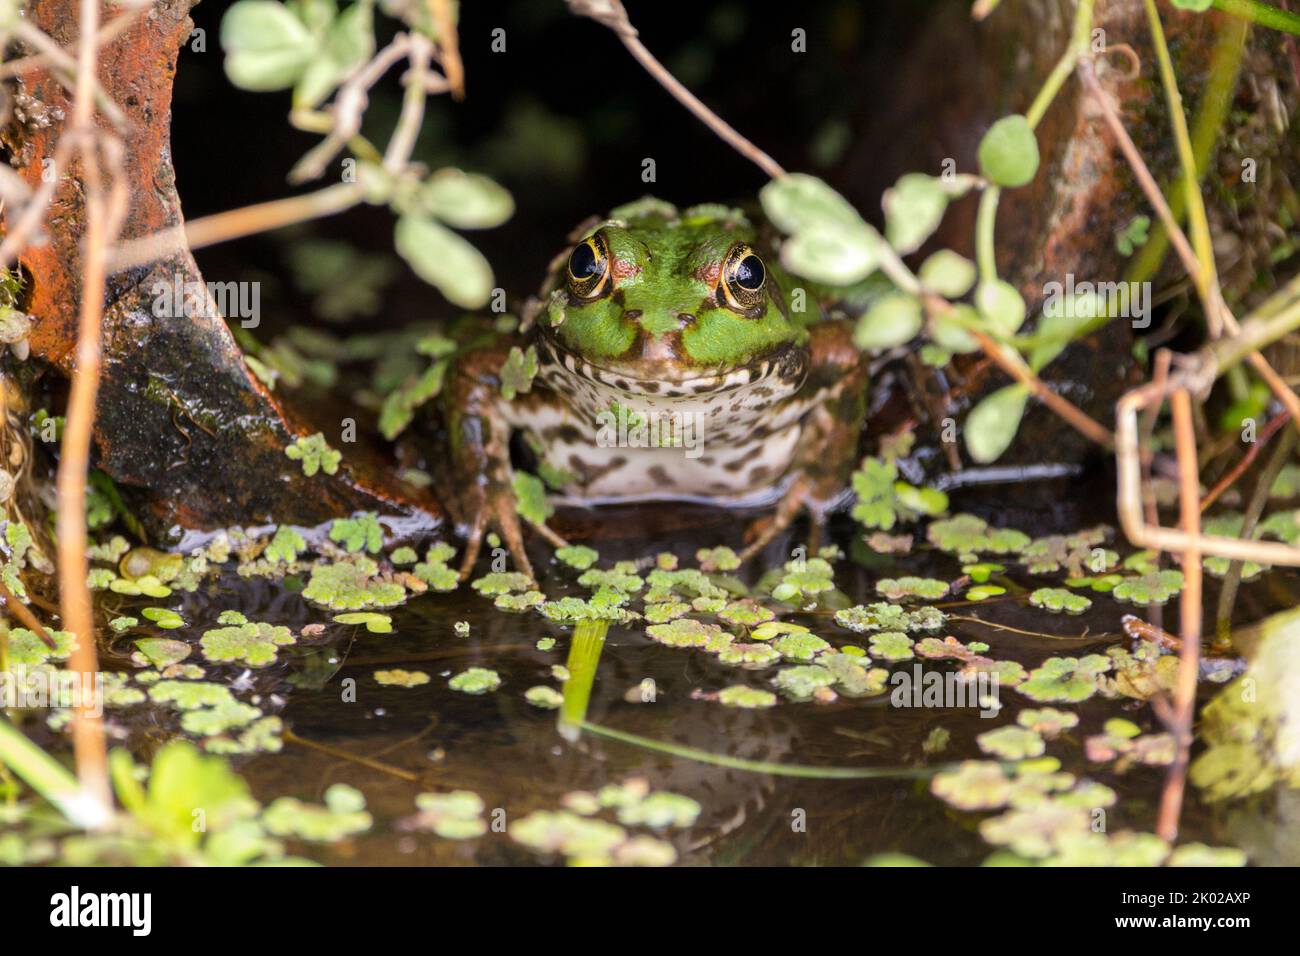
393,743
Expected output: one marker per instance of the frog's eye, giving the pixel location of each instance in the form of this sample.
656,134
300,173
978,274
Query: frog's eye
742,279
589,267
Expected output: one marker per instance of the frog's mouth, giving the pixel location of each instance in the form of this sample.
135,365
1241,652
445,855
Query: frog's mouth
672,379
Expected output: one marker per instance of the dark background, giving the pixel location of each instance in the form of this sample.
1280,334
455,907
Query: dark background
564,119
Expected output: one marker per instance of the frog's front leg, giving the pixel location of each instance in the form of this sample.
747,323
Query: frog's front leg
828,445
479,430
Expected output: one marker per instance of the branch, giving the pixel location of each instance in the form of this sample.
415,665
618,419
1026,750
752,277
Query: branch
612,14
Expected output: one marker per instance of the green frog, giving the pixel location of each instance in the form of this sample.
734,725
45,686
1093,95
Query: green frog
675,362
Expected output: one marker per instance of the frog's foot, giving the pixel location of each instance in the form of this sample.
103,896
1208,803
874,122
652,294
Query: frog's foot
498,512
764,531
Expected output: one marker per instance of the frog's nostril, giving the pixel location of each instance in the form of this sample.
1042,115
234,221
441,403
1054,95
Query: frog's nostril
633,314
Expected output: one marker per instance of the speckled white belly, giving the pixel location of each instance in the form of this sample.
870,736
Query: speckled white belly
730,438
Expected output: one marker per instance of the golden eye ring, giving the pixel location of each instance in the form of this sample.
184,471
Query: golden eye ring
589,268
743,279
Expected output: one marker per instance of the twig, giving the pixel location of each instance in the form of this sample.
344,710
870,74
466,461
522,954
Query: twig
1261,13
1227,481
235,224
1250,520
64,68
346,114
1011,363
1171,799
24,614
1206,276
402,142
103,218
449,46
340,753
33,215
1088,75
612,14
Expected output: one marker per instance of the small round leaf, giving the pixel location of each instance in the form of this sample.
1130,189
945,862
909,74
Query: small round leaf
893,320
444,260
1008,154
992,424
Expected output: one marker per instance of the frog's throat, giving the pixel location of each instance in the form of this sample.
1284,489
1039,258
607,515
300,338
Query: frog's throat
788,366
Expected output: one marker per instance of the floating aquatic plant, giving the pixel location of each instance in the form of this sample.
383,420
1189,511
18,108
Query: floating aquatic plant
343,815
375,623
1011,743
578,556
457,815
160,652
547,698
895,588
315,454
968,536
1124,743
351,585
164,617
434,571
891,646
684,632
501,582
1154,587
746,698
361,533
1067,679
1047,721
253,644
475,680
401,678
26,647
285,546
1059,599
889,617
883,500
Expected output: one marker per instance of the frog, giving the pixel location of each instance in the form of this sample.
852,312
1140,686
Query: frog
676,361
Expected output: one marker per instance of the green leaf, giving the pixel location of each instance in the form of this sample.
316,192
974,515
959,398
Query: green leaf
832,253
949,331
1001,305
530,495
913,210
891,321
267,47
1197,6
466,200
992,424
948,274
518,372
1008,153
444,260
797,201
1133,235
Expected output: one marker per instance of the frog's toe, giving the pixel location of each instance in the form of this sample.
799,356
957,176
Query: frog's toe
764,530
495,514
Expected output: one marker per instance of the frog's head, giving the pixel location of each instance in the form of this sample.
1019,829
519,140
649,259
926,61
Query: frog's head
666,302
